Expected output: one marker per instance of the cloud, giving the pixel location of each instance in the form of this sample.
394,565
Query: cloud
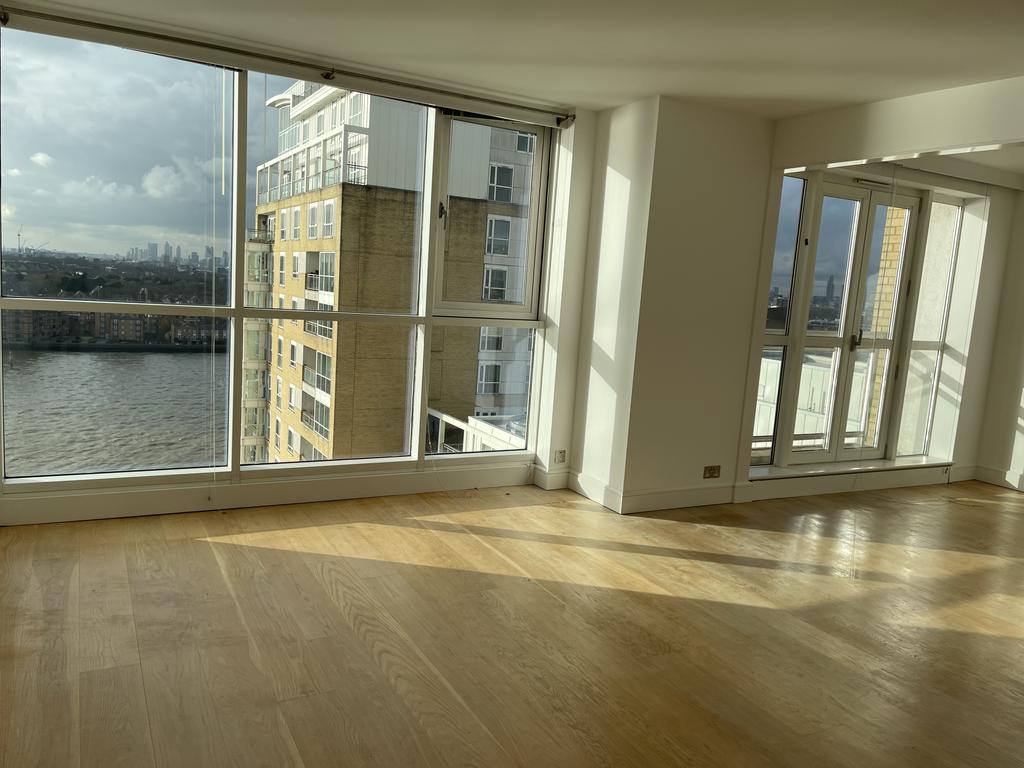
6,211
41,159
94,188
14,172
163,181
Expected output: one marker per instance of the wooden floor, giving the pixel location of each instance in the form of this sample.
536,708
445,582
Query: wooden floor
522,627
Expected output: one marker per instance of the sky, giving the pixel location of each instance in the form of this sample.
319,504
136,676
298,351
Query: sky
838,218
105,148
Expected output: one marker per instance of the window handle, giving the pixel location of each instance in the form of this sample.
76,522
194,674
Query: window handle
442,213
856,339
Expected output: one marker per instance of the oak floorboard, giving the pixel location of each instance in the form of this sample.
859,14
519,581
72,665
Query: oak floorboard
520,627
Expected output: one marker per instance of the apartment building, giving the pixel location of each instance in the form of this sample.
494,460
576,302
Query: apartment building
338,227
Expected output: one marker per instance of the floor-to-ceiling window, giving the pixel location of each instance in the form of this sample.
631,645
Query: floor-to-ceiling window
851,340
221,270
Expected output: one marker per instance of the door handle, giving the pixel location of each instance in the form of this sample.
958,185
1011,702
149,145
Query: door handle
856,339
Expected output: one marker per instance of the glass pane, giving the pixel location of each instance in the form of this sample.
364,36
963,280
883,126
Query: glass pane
940,248
339,211
867,392
786,238
766,408
490,189
94,392
325,390
479,389
116,173
928,330
916,417
837,237
815,399
885,263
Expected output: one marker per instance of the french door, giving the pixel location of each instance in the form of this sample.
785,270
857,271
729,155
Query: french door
853,289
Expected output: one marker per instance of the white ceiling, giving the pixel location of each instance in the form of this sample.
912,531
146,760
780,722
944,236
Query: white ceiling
1009,158
774,57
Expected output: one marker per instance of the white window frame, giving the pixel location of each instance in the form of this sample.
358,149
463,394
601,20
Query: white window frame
531,142
531,232
293,353
489,271
296,259
327,227
493,186
485,385
292,397
278,392
311,221
491,238
491,339
426,314
296,222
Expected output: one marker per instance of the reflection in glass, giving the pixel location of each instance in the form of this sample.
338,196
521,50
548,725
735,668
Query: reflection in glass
325,390
95,392
787,236
867,393
918,398
836,239
927,342
479,389
337,195
116,173
815,399
490,190
885,263
766,406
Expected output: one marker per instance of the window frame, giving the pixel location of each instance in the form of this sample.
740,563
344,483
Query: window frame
312,223
537,222
427,313
492,182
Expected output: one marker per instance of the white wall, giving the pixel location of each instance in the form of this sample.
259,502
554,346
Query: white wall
708,200
623,167
1001,447
564,267
972,115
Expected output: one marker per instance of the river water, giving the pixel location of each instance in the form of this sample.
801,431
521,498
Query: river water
74,412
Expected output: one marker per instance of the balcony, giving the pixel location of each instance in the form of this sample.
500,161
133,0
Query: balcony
309,421
259,236
314,379
356,173
319,283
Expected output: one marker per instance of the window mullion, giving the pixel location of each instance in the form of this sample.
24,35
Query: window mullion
238,276
431,260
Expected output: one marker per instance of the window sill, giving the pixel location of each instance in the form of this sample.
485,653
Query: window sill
845,467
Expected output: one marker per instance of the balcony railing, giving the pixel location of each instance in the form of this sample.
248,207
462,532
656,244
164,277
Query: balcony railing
315,379
259,235
317,282
309,421
321,328
356,174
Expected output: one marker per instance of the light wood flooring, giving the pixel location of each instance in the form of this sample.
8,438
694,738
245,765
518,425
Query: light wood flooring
521,627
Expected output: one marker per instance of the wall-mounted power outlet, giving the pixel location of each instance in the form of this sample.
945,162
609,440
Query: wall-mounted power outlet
712,471
560,456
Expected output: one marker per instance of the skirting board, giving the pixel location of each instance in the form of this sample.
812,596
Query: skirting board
1002,477
550,481
647,501
97,503
814,485
595,490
